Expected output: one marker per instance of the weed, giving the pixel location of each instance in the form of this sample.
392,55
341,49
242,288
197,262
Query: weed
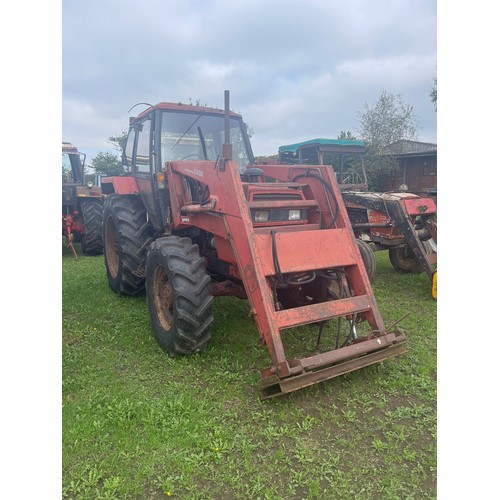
139,424
379,445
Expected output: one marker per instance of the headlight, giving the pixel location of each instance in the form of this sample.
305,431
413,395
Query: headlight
294,215
90,184
261,216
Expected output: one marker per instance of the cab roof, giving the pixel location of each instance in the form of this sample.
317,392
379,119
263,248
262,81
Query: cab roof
67,147
177,106
338,143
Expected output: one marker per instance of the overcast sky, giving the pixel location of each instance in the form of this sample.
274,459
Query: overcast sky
296,69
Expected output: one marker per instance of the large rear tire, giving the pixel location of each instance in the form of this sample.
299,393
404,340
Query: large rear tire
127,236
178,295
368,257
91,240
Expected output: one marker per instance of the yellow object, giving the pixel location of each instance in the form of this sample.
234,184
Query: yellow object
435,285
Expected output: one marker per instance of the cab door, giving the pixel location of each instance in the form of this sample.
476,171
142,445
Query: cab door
143,169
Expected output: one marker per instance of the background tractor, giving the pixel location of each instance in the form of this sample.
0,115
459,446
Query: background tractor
193,218
403,223
82,207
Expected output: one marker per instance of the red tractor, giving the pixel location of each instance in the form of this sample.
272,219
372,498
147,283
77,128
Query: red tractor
193,218
405,224
82,206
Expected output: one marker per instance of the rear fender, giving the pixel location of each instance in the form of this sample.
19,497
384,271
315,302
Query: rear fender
119,185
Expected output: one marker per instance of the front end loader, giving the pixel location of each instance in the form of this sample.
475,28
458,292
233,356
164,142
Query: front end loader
194,219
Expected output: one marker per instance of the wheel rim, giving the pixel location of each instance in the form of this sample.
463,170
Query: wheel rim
162,294
406,257
112,254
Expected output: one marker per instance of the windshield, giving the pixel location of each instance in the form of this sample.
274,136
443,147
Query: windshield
191,136
71,167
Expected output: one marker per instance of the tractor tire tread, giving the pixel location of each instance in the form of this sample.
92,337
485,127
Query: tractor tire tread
92,214
403,262
135,235
368,256
191,290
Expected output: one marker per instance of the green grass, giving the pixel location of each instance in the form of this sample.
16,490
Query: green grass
138,424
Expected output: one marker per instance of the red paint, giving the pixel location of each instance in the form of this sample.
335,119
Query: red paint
122,185
313,245
420,206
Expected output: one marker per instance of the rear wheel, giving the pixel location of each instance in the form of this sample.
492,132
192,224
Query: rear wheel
403,259
368,257
127,236
178,295
91,240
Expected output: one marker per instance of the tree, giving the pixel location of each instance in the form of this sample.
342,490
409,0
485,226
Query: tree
346,136
119,141
433,94
389,120
105,163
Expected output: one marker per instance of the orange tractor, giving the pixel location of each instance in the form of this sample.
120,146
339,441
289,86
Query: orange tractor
193,218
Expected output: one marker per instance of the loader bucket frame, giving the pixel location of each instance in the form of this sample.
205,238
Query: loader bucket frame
253,253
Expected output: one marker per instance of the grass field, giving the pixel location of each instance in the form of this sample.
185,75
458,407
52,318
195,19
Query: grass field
138,424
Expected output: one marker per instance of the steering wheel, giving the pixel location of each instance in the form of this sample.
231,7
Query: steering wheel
193,155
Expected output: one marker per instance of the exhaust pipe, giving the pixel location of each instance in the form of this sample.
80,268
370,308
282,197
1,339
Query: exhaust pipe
227,147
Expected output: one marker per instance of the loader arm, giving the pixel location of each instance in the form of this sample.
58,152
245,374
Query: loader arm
266,258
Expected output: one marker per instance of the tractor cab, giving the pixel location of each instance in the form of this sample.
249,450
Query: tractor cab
178,132
73,163
344,156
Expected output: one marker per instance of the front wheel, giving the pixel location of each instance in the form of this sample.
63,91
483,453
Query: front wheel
178,295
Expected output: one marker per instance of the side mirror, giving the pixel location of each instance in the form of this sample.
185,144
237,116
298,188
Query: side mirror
82,161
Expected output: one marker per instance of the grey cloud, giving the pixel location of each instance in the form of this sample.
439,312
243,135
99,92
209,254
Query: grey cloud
296,69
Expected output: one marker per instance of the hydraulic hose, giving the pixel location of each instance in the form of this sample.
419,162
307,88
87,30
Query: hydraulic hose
328,188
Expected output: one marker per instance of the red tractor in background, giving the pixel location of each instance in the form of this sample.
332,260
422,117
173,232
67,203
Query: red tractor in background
82,207
193,218
405,224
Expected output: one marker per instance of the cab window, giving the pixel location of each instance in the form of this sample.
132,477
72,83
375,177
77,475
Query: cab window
142,158
129,150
